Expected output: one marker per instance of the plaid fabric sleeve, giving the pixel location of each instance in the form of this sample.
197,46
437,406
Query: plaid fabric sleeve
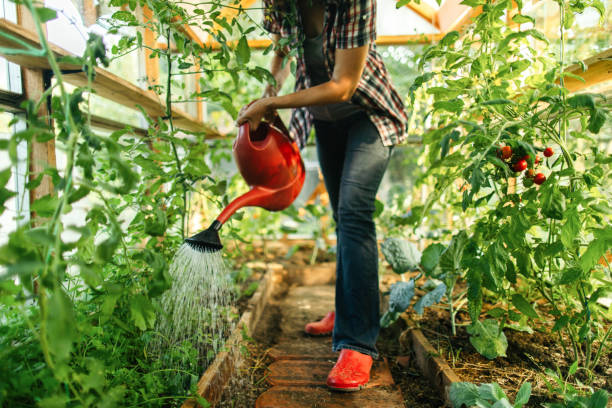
357,24
272,22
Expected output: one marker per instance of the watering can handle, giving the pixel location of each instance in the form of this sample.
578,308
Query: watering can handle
278,122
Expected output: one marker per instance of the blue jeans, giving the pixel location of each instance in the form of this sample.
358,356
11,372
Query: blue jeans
353,161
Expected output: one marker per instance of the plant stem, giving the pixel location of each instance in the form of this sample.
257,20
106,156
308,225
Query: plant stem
449,296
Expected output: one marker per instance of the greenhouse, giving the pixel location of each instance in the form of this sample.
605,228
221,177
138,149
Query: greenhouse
306,203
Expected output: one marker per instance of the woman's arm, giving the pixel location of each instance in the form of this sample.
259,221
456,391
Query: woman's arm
340,88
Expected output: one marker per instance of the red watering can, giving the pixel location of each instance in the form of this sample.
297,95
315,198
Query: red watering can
270,163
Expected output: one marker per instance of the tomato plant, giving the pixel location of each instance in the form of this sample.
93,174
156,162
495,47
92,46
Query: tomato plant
534,246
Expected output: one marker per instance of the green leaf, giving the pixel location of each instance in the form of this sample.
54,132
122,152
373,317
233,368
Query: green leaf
401,296
570,275
61,325
594,251
54,401
599,399
124,15
520,19
430,298
78,194
379,208
553,203
523,395
463,393
45,206
502,403
431,257
449,39
90,274
524,306
597,120
106,249
491,392
402,255
452,106
581,101
450,260
570,229
156,222
560,323
243,52
142,312
488,339
474,293
46,14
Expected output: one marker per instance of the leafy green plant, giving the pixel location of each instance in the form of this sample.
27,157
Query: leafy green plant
498,104
486,395
572,397
81,299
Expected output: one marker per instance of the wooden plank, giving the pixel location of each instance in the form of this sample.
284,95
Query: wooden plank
599,69
41,155
434,367
106,84
219,372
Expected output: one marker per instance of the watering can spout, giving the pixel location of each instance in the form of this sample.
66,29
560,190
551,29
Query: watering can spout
207,239
270,162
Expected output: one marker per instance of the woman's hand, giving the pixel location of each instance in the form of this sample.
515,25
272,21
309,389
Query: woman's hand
254,112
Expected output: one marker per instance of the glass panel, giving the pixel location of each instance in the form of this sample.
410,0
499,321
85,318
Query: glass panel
10,74
16,208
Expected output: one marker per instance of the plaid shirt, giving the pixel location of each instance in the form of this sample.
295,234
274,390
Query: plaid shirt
348,24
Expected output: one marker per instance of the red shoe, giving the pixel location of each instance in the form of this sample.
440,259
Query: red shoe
351,372
323,327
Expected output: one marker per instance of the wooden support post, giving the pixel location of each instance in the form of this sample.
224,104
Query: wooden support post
150,41
90,12
41,155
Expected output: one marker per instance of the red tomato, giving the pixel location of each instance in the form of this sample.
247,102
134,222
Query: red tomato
539,178
506,152
520,165
530,173
548,152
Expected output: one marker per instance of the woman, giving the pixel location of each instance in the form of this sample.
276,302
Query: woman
343,89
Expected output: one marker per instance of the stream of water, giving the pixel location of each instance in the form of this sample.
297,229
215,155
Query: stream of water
198,307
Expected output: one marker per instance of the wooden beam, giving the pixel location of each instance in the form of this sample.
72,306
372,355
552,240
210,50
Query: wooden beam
263,43
106,84
452,14
599,69
11,101
112,125
425,11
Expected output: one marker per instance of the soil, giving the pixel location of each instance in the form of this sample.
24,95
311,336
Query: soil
528,354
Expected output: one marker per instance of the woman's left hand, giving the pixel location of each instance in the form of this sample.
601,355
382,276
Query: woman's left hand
254,112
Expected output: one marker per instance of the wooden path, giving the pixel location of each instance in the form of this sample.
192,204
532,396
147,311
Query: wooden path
301,363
